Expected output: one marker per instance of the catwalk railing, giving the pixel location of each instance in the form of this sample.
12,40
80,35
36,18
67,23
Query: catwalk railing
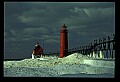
102,48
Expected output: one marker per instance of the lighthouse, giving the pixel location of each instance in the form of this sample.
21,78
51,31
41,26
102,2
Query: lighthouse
63,41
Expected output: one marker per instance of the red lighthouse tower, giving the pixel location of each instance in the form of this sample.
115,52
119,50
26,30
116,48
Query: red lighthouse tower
63,41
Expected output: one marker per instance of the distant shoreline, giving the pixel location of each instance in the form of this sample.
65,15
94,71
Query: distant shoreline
12,59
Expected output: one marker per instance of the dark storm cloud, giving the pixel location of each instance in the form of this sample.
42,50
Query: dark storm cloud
29,22
70,4
83,16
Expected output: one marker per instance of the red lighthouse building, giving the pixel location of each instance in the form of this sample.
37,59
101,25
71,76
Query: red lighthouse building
63,41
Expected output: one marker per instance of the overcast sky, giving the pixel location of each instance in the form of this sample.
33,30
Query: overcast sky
25,23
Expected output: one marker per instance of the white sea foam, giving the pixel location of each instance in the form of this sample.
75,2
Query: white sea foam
73,65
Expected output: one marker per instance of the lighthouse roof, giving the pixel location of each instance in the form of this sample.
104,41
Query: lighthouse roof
64,26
